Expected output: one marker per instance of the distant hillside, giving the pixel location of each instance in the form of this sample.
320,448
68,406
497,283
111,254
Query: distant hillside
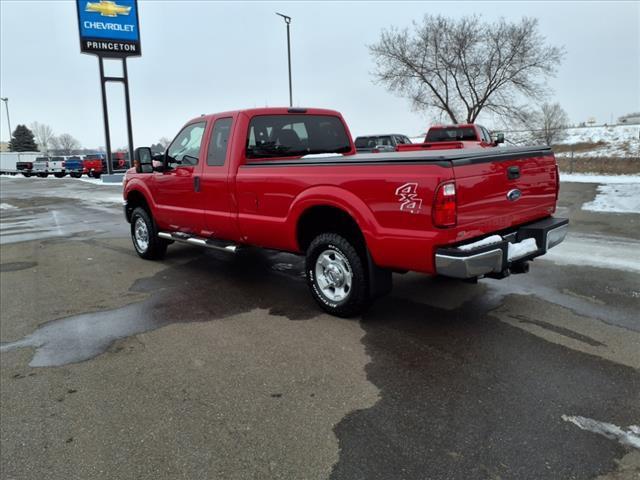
614,141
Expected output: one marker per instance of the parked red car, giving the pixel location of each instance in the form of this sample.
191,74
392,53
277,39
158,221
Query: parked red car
289,179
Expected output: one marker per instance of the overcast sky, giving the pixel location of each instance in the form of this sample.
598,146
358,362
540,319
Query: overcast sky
204,56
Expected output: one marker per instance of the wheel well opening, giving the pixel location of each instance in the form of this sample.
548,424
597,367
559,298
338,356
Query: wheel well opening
325,219
135,199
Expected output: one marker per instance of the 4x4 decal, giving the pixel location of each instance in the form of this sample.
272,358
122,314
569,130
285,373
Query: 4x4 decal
408,198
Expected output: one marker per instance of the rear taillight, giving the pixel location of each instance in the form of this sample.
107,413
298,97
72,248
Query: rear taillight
444,210
557,182
62,164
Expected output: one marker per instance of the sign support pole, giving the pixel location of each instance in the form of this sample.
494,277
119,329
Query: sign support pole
105,116
128,107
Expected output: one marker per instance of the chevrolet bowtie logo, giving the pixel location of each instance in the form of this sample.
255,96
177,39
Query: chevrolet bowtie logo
107,8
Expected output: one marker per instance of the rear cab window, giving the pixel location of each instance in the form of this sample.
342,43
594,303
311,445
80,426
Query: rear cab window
278,136
451,134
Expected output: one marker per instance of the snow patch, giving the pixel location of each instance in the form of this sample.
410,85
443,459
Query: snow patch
521,249
616,198
597,251
629,436
602,179
6,206
481,243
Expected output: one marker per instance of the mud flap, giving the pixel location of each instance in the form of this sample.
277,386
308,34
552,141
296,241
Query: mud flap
380,279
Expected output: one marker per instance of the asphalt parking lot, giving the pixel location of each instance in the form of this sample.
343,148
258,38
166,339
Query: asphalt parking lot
208,365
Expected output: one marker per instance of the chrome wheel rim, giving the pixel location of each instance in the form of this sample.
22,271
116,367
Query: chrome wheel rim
141,234
333,275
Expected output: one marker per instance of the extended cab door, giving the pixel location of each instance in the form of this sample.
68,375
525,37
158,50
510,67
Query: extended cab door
177,187
219,216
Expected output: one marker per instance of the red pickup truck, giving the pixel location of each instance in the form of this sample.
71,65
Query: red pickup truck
446,137
290,179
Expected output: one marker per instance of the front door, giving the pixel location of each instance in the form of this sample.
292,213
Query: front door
177,187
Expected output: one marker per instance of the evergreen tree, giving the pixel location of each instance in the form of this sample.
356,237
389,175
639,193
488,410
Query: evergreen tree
22,140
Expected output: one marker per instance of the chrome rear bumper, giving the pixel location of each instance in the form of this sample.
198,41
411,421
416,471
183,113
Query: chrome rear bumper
493,259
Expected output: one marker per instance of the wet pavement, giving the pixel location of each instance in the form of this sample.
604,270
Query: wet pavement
207,365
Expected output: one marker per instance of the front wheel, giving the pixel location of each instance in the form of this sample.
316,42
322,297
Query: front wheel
145,236
336,275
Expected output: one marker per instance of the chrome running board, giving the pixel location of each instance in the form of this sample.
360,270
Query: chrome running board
201,242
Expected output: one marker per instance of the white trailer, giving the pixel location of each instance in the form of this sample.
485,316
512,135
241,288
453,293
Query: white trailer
9,160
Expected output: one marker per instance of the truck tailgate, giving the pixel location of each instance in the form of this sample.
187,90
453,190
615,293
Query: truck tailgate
503,188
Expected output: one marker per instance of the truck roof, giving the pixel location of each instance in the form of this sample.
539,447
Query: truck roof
457,125
270,111
382,135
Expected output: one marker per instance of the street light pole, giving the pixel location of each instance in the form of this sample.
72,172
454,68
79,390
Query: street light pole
287,20
6,106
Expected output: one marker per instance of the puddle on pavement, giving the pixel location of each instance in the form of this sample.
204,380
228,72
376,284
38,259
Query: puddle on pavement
186,293
217,285
16,266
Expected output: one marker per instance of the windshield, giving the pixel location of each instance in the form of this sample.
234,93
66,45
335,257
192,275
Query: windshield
373,142
296,135
451,134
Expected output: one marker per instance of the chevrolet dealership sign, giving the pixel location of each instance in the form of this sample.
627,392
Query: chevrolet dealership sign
109,28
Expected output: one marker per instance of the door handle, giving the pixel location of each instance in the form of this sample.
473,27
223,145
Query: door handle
513,173
196,184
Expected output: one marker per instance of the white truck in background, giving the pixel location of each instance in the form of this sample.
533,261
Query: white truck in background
56,166
12,163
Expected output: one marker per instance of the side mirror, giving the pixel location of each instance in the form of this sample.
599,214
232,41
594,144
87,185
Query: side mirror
499,138
143,160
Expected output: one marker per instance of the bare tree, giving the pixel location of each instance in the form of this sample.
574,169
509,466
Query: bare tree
164,141
66,144
550,123
463,67
43,135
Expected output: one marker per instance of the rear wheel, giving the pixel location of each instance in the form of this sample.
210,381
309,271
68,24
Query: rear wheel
75,175
336,275
26,174
144,235
58,175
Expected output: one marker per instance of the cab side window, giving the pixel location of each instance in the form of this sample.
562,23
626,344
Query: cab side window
185,149
485,135
217,152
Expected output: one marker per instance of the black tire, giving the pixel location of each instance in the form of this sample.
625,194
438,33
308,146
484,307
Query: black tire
156,247
96,175
58,175
25,174
357,298
75,175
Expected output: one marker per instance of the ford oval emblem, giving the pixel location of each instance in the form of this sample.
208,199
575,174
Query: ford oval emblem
514,195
